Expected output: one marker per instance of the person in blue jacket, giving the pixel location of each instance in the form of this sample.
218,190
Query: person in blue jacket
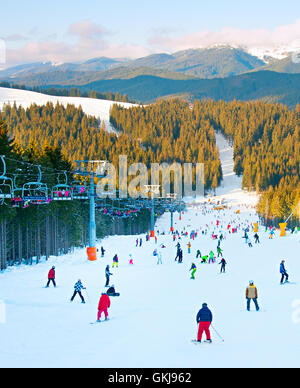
284,275
204,319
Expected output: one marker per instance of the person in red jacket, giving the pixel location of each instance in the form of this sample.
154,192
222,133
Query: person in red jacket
104,304
51,277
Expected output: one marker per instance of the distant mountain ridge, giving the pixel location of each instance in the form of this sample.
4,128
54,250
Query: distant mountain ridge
213,62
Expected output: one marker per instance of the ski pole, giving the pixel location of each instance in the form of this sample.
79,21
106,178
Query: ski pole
87,295
217,333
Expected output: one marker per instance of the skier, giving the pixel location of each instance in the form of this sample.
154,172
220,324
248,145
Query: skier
178,251
204,319
223,265
198,254
251,294
193,269
141,242
77,290
204,259
137,242
115,261
51,277
102,252
130,259
220,251
112,292
107,275
104,304
211,257
284,275
256,236
159,258
189,247
180,256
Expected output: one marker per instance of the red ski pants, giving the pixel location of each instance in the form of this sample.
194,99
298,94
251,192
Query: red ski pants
100,313
204,326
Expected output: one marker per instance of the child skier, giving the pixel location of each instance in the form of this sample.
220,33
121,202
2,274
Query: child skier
104,304
130,259
194,270
204,319
51,277
77,290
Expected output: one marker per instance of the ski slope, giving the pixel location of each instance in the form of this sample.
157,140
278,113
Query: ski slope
153,321
90,106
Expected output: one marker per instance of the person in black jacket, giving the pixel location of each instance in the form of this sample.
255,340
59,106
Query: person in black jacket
107,275
112,291
204,319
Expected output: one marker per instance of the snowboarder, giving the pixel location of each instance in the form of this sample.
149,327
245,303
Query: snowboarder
107,275
112,291
104,304
194,270
251,294
223,265
51,277
77,290
284,275
204,319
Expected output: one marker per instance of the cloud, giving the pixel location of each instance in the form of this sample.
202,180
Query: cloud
15,38
87,30
286,35
89,40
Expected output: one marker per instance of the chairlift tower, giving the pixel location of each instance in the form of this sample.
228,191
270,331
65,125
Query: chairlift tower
154,191
92,169
172,198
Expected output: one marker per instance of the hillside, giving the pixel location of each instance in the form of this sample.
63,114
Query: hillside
270,86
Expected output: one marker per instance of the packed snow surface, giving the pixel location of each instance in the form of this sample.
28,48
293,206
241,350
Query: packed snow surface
153,322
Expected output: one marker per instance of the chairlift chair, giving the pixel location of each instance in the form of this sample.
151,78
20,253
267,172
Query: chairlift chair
62,191
36,192
6,184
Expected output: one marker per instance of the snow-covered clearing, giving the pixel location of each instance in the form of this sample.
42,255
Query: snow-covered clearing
90,106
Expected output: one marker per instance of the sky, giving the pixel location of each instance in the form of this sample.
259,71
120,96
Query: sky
72,30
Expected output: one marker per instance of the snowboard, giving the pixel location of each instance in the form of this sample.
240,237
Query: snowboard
96,322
